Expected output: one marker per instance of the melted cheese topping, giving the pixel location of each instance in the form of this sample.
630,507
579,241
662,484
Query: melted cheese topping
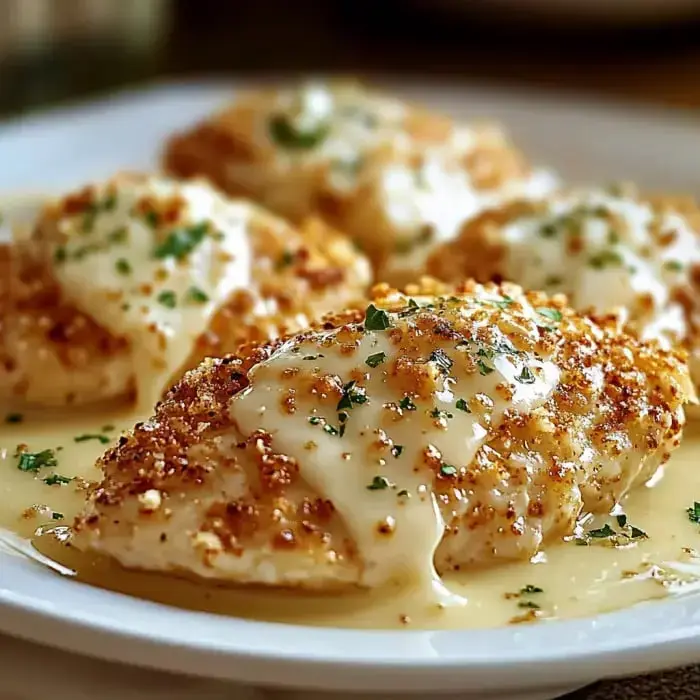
376,477
151,260
608,252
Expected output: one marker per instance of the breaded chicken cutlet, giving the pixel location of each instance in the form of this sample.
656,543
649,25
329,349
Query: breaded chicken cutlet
444,426
124,284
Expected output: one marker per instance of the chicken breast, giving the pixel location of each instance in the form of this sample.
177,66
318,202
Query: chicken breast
443,427
395,177
124,284
604,250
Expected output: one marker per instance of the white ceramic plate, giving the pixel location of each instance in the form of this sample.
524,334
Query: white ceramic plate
69,146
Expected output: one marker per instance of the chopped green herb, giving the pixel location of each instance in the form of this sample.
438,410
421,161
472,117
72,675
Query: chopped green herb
284,133
448,470
548,230
91,436
167,299
109,202
462,405
601,532
152,218
553,280
551,314
636,533
14,418
312,357
56,480
694,513
503,303
34,461
197,295
484,369
403,492
314,420
181,242
123,266
60,255
443,362
527,590
407,404
118,235
376,359
673,265
376,319
396,450
379,483
526,376
440,415
57,516
621,520
330,429
529,604
606,258
352,395
285,260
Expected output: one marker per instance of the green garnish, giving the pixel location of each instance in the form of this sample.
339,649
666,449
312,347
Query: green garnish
396,451
57,516
548,230
314,420
553,280
152,218
91,436
673,265
448,470
379,483
407,404
443,362
403,492
376,359
14,418
527,590
694,513
606,258
118,235
376,319
526,376
34,461
284,133
503,303
181,242
56,480
621,520
462,405
352,395
197,296
285,260
60,255
440,415
330,429
528,604
551,314
167,299
312,357
484,369
599,533
123,266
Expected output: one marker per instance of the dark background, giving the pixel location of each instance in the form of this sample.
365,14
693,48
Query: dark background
648,61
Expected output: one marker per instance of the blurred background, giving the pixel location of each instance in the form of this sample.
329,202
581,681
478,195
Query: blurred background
643,50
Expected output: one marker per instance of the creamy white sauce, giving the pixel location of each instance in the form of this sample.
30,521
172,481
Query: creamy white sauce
111,269
375,490
619,263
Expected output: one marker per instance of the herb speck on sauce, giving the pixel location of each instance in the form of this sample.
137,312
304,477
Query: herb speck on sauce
197,295
396,451
57,480
694,513
379,483
285,133
181,242
376,319
526,376
448,470
57,516
551,314
14,418
167,299
91,436
123,266
462,405
406,404
375,360
34,461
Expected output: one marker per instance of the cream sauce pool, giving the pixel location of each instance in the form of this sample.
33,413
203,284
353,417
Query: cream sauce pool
567,580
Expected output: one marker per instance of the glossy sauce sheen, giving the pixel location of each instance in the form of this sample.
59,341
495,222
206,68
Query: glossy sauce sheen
575,580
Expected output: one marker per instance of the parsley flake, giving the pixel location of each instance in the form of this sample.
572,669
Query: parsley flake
14,418
376,319
462,405
284,133
379,483
529,604
484,369
352,395
443,362
551,314
529,589
694,513
448,470
57,516
526,376
601,532
376,359
123,266
181,242
673,265
57,480
396,451
34,461
167,299
197,295
407,404
91,436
